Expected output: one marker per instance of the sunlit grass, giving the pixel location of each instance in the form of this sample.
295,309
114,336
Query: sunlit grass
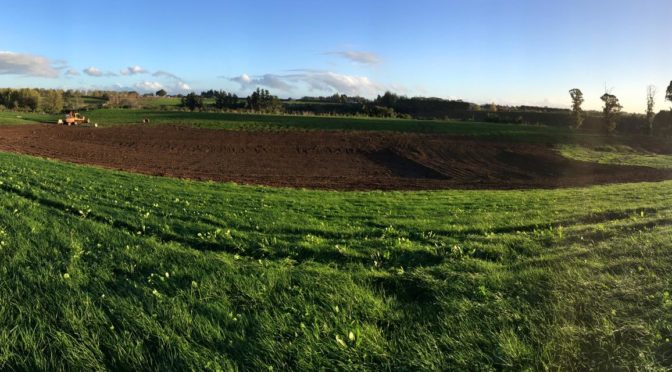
104,269
616,154
12,117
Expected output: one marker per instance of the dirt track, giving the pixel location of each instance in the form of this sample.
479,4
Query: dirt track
331,160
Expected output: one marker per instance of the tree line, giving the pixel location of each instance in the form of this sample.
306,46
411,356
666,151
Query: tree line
611,111
261,100
54,101
45,100
386,105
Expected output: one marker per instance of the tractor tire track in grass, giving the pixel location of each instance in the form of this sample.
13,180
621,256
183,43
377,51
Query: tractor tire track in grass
425,255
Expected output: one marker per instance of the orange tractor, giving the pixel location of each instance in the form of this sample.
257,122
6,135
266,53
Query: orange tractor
74,118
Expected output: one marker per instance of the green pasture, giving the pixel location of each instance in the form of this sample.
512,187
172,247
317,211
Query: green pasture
108,270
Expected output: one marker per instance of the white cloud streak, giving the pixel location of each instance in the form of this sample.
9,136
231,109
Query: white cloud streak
153,86
176,82
182,86
364,58
148,86
95,72
12,63
133,70
320,81
166,74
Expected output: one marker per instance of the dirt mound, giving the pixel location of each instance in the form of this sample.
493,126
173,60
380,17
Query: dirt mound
331,160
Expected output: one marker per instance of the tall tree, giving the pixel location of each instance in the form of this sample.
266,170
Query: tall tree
225,100
262,100
192,101
28,99
650,105
668,93
52,101
388,99
612,110
577,111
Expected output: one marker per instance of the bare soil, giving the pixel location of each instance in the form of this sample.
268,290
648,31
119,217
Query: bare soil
313,159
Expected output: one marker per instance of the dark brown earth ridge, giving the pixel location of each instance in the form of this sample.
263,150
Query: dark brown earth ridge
319,159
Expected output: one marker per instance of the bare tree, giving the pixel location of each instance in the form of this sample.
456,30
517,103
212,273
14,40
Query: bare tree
612,110
650,105
577,111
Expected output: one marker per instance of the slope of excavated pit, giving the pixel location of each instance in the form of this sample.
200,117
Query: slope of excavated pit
318,159
400,165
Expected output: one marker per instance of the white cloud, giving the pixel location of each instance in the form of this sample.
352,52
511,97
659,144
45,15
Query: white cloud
321,81
72,72
148,86
267,80
153,86
95,72
166,74
243,79
26,64
92,71
176,84
365,58
133,70
345,84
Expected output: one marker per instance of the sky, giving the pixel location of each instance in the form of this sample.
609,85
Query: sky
511,52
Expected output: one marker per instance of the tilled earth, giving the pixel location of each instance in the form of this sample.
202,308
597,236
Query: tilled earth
319,159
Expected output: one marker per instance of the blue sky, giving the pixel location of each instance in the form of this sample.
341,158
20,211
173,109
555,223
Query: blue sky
509,52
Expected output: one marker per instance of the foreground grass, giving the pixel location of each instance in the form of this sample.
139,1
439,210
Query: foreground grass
616,154
103,269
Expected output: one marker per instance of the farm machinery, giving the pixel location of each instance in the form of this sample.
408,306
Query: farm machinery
74,118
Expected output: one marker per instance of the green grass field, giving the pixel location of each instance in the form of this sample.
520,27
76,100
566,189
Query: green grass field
93,101
155,102
104,269
233,121
618,154
13,118
266,122
167,102
110,270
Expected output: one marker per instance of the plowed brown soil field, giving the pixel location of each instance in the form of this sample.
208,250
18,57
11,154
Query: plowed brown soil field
326,160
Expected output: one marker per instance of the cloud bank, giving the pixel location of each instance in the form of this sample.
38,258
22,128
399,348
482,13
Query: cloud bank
95,72
176,82
12,63
153,86
319,81
133,70
148,86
